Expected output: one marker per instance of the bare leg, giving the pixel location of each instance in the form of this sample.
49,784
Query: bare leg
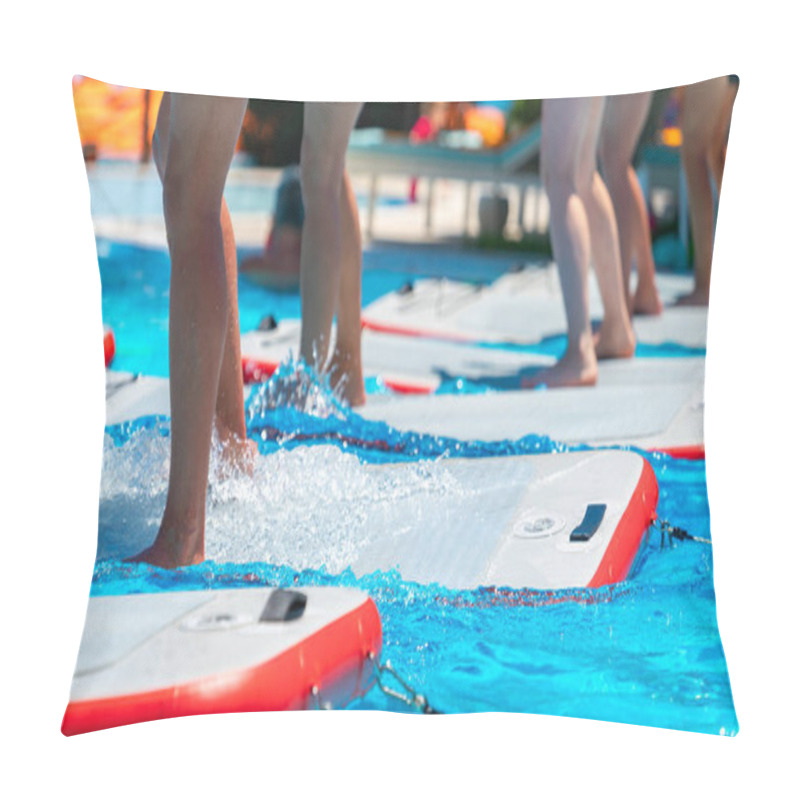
346,369
719,142
563,128
196,148
237,449
615,339
330,234
703,105
623,121
230,422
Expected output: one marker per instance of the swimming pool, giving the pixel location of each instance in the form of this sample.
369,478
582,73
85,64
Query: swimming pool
122,189
135,299
646,651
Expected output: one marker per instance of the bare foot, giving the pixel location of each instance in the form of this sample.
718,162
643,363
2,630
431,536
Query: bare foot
614,341
171,550
347,378
577,367
697,297
237,453
646,300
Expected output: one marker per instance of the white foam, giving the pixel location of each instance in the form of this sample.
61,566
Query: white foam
309,507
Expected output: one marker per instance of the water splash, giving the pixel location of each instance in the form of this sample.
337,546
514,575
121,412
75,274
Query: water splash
298,386
308,507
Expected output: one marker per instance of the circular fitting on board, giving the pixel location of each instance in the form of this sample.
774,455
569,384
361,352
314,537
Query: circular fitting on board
221,621
538,526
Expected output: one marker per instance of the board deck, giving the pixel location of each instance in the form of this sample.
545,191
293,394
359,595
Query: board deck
523,307
510,522
152,656
450,521
654,415
421,365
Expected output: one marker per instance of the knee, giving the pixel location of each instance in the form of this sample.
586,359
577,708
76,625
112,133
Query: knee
557,179
186,203
561,182
614,166
321,175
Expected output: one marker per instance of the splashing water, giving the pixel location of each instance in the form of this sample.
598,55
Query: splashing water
299,386
308,507
646,651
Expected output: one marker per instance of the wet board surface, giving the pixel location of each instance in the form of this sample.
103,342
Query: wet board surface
511,522
427,363
653,414
652,417
523,307
475,518
130,396
149,656
410,363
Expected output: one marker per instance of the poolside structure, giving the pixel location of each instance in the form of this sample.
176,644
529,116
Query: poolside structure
373,152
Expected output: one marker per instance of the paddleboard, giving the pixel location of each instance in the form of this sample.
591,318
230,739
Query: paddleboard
421,365
153,656
544,522
522,307
667,417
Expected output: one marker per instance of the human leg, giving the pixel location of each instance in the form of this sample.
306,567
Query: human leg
615,338
237,449
346,369
229,416
196,137
703,103
563,127
623,121
330,232
719,144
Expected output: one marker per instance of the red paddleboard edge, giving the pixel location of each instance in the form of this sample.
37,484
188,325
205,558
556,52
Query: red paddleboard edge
327,669
635,520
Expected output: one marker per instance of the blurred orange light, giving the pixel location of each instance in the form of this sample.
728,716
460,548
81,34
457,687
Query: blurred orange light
112,117
672,137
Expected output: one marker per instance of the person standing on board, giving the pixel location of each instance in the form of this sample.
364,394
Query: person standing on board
193,146
583,229
706,112
330,252
623,121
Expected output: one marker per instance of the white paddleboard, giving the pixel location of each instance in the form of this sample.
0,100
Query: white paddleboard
653,415
152,656
516,522
421,365
522,307
453,521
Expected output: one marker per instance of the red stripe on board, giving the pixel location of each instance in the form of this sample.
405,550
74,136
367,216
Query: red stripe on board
335,660
624,544
407,388
693,452
256,371
400,330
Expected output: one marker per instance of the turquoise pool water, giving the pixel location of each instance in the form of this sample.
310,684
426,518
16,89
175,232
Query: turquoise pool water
646,651
135,282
